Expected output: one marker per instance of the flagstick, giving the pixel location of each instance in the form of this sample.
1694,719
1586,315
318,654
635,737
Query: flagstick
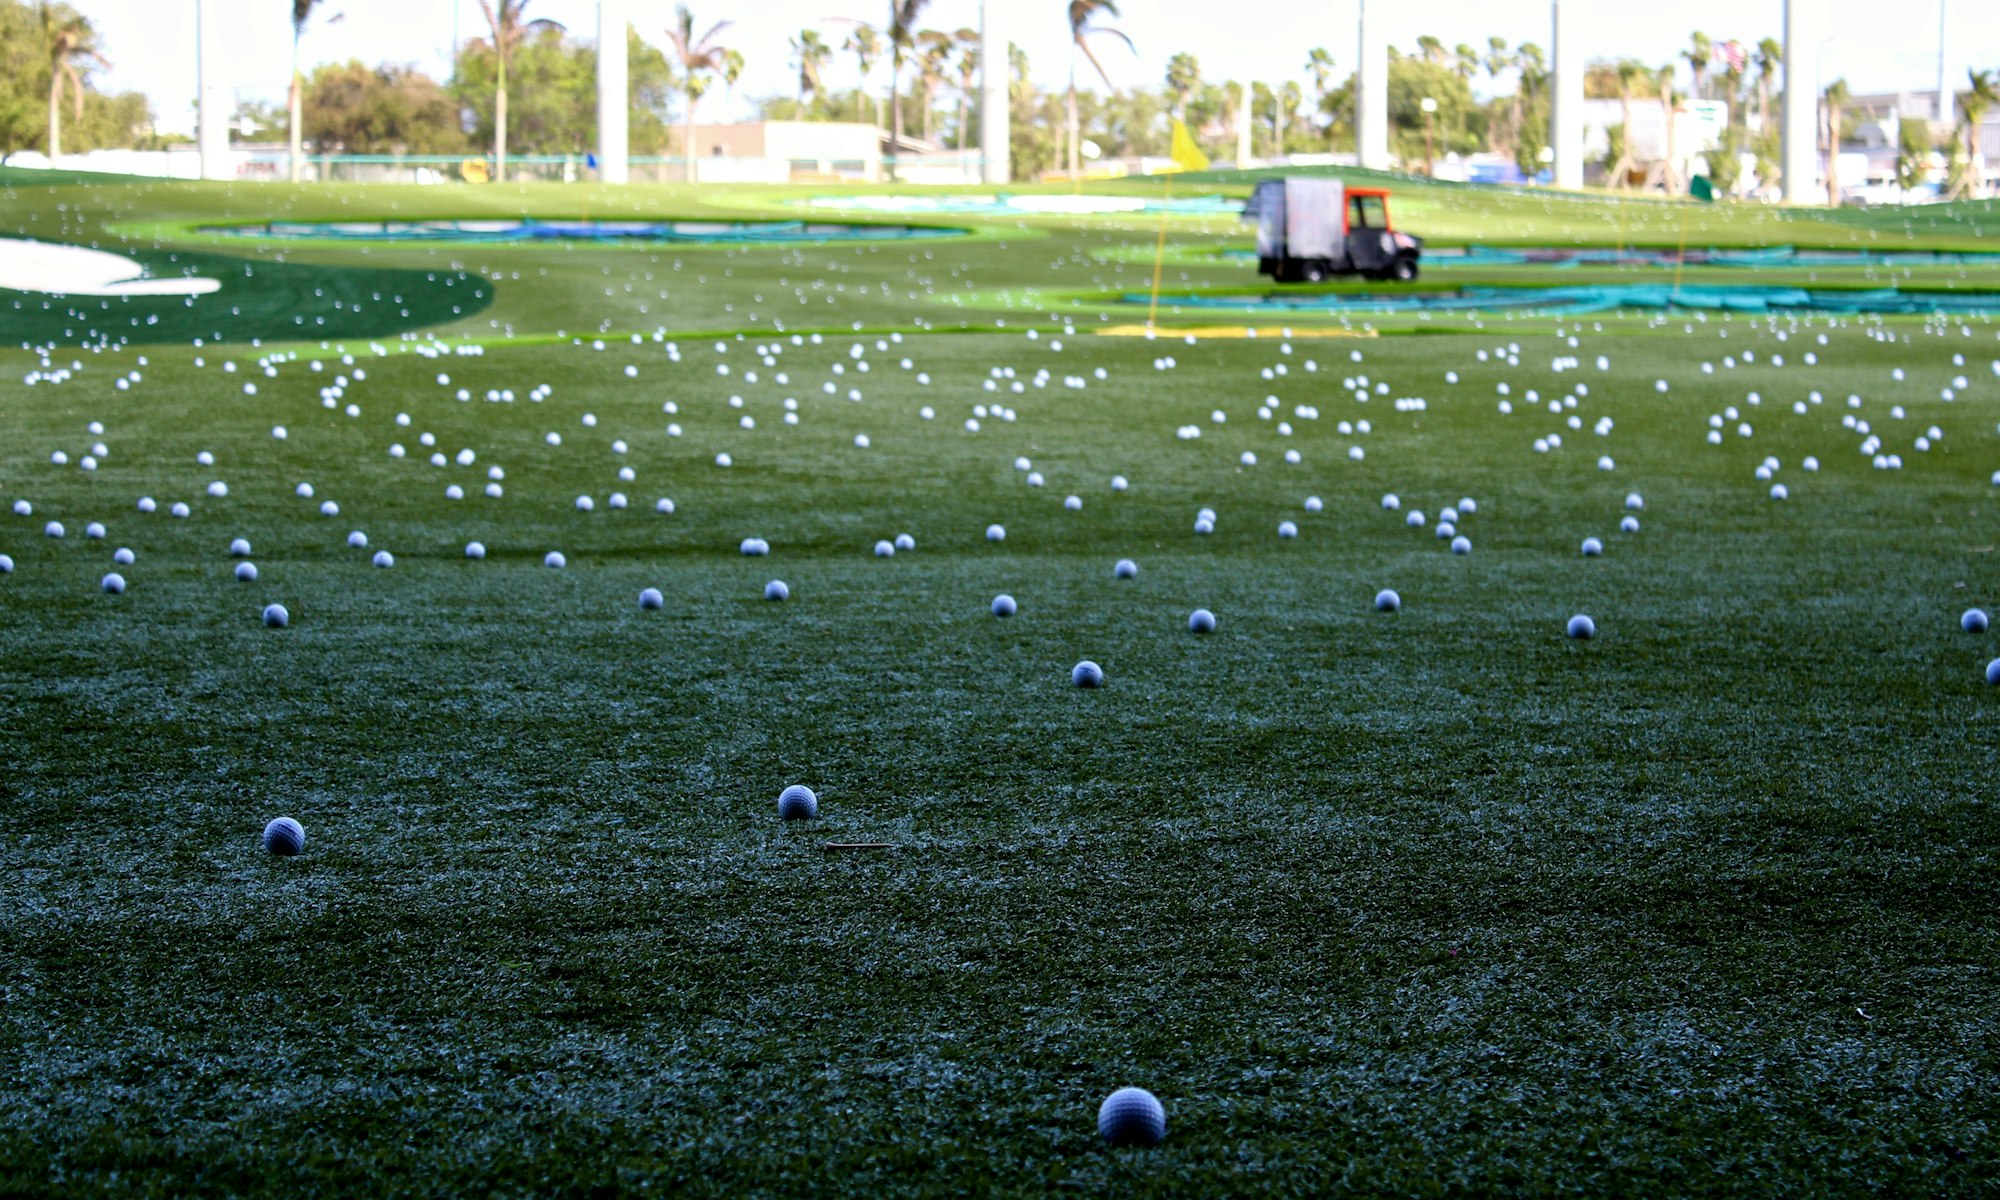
1160,252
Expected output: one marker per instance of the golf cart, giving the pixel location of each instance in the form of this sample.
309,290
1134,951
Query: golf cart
1311,229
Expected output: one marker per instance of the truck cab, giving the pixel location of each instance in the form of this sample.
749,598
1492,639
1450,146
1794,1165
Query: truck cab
1311,229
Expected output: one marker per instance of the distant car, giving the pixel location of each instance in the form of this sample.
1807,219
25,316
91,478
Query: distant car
1309,230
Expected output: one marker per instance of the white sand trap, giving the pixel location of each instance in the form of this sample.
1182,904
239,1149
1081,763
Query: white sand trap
80,271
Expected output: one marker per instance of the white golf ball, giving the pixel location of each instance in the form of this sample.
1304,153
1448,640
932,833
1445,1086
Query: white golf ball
182,511
1388,601
1125,568
1086,674
53,529
147,504
1132,1117
651,600
284,837
1993,671
585,504
475,550
1634,500
24,509
554,560
239,548
776,590
218,489
114,583
1461,545
1073,503
1391,502
797,803
1314,504
663,505
905,542
1201,621
1003,605
1416,519
1592,547
1582,628
1629,525
1118,483
246,572
123,557
1204,526
276,616
885,549
329,509
996,533
1974,620
1778,491
6,565
1287,529
384,559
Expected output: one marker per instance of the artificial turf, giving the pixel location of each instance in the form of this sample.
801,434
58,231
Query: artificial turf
1430,902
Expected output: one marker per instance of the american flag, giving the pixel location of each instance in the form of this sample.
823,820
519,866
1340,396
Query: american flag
1734,54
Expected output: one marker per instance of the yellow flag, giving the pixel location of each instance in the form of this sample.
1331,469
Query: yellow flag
1186,155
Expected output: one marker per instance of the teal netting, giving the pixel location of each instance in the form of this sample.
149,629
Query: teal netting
1605,298
741,232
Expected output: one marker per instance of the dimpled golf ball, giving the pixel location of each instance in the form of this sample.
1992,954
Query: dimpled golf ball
276,616
246,572
6,565
1201,621
1314,504
284,837
1592,547
1629,525
1086,674
384,559
53,529
1391,502
650,599
1125,569
797,803
148,504
995,533
1388,601
94,531
1461,545
1634,500
1974,620
554,560
905,542
358,540
885,549
114,583
1003,605
239,548
1132,1117
1582,628
776,590
475,550
1993,672
124,557
1287,529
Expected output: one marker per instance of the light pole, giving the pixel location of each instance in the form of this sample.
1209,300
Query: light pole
1430,107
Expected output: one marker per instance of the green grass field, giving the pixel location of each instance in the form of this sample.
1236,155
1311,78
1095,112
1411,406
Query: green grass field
1431,902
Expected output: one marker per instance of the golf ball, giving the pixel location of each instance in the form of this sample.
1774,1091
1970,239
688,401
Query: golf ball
1592,547
1132,1117
384,559
1629,525
1461,545
276,617
1993,671
554,560
1125,569
905,542
1974,620
797,803
6,565
1582,628
995,533
246,572
1287,529
239,548
1201,621
124,557
358,540
1388,601
284,837
650,599
475,550
1003,605
53,529
1086,674
776,590
114,583
885,549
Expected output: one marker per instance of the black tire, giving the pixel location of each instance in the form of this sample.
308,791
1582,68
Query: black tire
1404,270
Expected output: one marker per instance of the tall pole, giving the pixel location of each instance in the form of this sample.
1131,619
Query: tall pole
1566,115
1801,105
211,115
996,167
1944,74
614,98
1372,103
1244,119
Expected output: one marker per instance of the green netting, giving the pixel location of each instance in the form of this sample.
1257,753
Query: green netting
1603,298
738,232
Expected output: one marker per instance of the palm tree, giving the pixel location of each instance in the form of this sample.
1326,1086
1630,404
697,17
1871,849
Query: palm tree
1700,52
302,11
1183,77
1083,26
1432,50
902,31
968,79
1465,61
68,37
1632,75
865,44
1497,60
1770,56
700,57
931,67
1982,92
1669,173
1320,65
812,53
1837,96
509,27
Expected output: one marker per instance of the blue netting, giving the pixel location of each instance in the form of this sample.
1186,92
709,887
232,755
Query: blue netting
1561,257
1600,299
588,231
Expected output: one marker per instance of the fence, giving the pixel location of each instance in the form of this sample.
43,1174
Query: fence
576,168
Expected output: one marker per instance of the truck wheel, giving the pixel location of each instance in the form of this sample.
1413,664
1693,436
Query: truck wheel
1405,269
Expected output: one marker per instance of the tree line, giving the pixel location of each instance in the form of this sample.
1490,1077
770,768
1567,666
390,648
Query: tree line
49,98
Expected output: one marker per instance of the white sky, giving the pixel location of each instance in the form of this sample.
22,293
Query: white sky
1878,47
